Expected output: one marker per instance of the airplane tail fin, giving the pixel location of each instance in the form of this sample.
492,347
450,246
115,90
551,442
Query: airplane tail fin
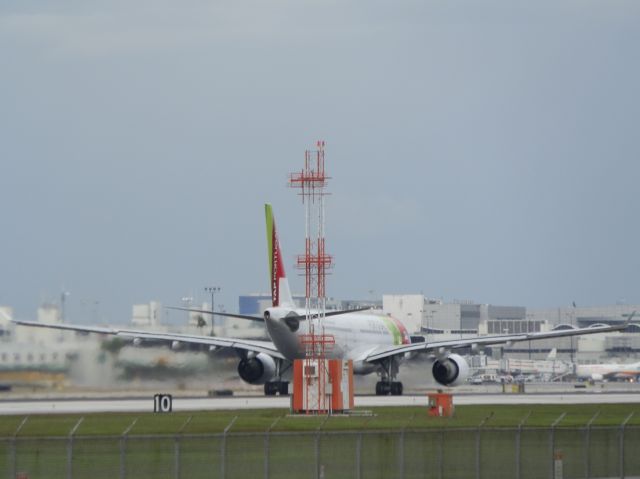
280,292
552,354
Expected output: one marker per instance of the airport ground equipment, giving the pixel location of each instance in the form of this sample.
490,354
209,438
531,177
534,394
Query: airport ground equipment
338,391
440,404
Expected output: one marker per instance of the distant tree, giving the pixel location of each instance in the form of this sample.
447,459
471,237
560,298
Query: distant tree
201,323
113,346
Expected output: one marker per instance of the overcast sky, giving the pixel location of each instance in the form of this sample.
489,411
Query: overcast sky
478,150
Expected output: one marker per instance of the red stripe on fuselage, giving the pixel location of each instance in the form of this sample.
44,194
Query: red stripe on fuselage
406,339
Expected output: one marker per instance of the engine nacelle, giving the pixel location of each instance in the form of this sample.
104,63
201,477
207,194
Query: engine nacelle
450,371
597,377
258,369
362,367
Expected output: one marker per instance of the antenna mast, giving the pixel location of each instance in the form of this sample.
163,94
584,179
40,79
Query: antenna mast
312,182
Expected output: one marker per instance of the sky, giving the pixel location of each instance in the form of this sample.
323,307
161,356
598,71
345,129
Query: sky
483,151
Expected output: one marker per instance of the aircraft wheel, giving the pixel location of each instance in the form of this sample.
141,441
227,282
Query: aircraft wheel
382,388
396,388
283,388
270,389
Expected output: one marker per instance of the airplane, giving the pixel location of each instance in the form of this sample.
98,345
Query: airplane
600,372
375,342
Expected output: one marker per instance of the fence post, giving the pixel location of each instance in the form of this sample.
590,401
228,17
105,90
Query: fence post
176,457
320,467
123,449
518,442
223,449
401,454
359,456
478,444
552,445
14,458
441,455
624,423
518,439
401,447
478,452
587,456
317,453
70,448
176,448
267,437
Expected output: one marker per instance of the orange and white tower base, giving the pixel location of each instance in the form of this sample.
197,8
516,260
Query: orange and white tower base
335,397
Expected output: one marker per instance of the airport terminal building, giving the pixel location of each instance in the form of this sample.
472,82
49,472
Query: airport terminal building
438,320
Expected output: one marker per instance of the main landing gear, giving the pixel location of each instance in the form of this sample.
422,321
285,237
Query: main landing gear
388,372
271,388
384,388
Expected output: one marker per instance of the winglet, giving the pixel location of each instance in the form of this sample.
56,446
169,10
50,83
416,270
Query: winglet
628,321
280,292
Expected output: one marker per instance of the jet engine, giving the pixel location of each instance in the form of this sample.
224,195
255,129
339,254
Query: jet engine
450,371
257,369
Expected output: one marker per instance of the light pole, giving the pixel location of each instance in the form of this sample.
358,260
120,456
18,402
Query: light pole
63,297
573,320
213,290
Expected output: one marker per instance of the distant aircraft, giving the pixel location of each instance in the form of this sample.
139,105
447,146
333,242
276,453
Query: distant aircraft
375,342
600,372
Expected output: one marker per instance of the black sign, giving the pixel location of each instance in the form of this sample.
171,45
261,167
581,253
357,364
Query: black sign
162,403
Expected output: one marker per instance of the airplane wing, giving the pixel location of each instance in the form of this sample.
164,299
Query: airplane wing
261,318
242,344
383,352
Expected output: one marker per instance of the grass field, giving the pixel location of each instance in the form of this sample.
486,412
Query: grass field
392,442
385,418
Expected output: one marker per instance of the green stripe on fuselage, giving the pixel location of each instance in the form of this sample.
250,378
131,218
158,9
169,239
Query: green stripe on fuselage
393,329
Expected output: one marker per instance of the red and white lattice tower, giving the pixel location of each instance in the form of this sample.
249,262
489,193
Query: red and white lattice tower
312,183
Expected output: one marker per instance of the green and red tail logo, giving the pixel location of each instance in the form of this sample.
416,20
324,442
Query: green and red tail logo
280,294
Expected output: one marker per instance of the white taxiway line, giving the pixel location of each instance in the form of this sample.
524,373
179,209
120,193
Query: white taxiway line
75,406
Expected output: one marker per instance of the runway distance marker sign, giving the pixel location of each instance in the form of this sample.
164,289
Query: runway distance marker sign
162,403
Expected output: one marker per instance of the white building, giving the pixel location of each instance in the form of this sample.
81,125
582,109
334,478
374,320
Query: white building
146,314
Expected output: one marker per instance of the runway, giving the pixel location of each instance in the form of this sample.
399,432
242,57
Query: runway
87,406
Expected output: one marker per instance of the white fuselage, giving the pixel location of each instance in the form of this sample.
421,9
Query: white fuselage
345,336
600,371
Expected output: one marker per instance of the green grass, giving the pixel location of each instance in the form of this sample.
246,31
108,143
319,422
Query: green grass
428,448
278,420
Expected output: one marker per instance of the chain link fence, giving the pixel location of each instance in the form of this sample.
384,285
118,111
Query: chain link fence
516,452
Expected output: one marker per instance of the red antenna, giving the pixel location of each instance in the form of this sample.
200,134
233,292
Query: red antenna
315,262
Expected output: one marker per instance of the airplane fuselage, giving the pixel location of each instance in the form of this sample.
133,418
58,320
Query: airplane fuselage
601,371
347,336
